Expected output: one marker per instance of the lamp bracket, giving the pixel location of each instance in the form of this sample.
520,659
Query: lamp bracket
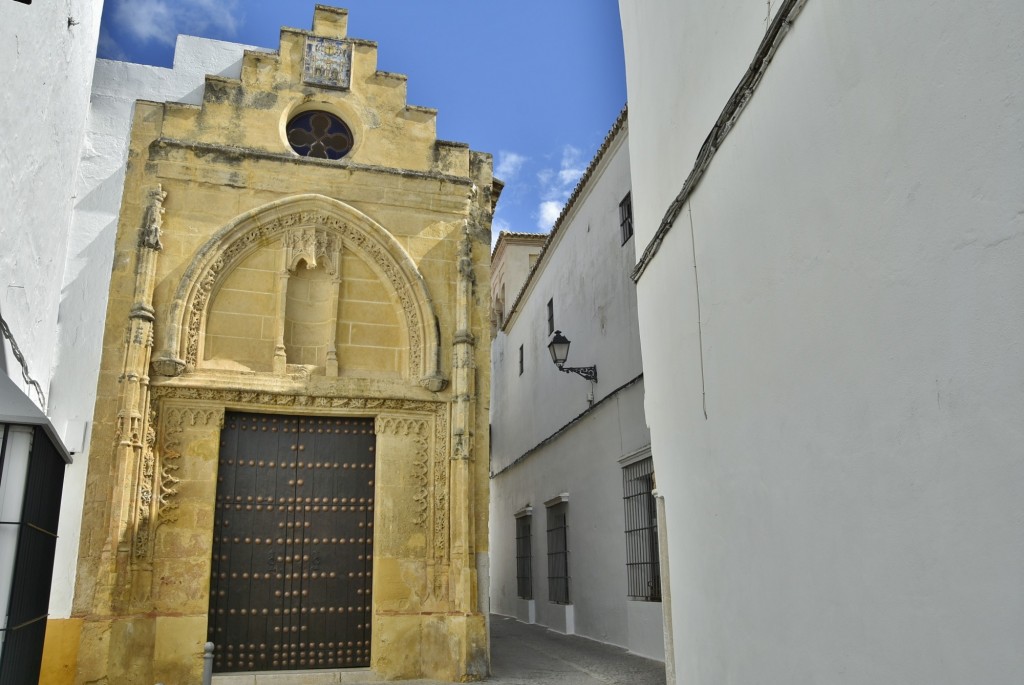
588,372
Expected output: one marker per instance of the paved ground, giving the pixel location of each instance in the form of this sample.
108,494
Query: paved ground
522,654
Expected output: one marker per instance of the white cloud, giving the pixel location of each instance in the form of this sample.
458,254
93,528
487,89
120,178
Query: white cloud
572,166
547,213
108,47
557,186
569,177
508,165
162,20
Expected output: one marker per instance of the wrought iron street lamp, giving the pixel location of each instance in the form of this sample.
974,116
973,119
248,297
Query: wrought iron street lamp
558,346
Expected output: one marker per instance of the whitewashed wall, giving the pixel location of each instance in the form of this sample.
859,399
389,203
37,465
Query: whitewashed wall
585,270
90,249
510,265
850,510
47,53
594,307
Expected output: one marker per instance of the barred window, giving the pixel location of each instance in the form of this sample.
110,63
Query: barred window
643,570
524,555
558,553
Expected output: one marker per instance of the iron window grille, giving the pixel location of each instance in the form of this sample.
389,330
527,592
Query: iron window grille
31,481
643,569
626,217
558,553
524,556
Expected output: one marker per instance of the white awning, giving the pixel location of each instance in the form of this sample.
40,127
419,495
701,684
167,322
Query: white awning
15,407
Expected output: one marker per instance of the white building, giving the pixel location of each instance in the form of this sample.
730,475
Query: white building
831,287
67,118
564,449
47,53
511,261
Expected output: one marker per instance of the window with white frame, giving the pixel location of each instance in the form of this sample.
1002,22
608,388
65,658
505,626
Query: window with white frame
558,552
524,553
643,568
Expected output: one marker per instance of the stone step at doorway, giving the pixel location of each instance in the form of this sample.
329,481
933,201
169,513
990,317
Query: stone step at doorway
349,676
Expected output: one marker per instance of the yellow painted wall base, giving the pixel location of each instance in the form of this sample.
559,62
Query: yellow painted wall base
60,651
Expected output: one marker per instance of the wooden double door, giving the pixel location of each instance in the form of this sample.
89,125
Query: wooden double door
293,543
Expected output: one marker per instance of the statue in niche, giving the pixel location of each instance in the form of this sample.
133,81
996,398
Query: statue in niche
153,221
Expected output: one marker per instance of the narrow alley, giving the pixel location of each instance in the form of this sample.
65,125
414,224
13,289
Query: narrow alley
522,653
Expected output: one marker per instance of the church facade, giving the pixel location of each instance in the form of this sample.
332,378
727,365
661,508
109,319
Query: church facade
288,453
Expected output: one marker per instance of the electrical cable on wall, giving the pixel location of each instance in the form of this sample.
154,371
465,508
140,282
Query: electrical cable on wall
700,326
24,365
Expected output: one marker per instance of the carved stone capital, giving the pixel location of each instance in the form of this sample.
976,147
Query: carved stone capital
435,383
309,244
142,311
166,364
464,337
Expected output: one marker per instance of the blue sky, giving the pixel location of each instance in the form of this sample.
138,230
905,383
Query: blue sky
538,83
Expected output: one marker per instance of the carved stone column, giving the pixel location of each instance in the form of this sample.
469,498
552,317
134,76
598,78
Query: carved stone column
132,486
463,561
332,332
280,353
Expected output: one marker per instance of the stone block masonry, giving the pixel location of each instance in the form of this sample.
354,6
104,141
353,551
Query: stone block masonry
248,278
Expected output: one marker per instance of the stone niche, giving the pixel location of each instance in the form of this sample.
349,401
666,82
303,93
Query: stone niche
250,278
323,291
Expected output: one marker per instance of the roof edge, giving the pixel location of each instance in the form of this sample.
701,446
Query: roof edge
570,204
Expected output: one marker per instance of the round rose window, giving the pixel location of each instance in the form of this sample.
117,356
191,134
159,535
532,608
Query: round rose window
319,134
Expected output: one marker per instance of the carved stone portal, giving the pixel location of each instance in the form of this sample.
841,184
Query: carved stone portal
360,297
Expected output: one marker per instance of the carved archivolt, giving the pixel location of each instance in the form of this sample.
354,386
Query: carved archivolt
311,225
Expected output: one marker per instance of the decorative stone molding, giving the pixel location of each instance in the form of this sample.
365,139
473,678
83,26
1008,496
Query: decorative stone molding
158,486
466,258
168,366
441,516
143,528
435,383
417,431
153,221
310,222
177,420
135,434
389,422
309,244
